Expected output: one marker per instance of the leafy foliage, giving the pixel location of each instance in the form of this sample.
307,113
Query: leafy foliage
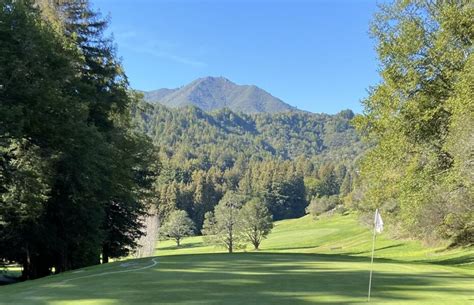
321,205
256,221
177,226
414,171
223,227
198,139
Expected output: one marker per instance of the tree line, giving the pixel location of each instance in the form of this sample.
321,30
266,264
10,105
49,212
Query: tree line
190,136
74,172
285,187
284,159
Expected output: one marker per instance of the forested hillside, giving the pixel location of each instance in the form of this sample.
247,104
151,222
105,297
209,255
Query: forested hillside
286,158
78,173
221,137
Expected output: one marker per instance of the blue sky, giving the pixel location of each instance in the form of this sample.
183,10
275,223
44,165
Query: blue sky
316,55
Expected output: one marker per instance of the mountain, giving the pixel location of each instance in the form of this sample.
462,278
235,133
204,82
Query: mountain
214,93
157,95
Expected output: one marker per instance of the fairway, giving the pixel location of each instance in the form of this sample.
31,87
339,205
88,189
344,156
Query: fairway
302,262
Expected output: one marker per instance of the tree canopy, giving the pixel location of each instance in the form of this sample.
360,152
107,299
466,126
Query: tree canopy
73,171
256,221
417,171
177,226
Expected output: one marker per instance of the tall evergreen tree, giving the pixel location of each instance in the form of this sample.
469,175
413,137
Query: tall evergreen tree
66,133
104,85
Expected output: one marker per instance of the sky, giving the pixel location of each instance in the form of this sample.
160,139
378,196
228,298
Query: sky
315,55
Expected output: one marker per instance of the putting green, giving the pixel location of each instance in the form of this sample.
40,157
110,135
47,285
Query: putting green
302,262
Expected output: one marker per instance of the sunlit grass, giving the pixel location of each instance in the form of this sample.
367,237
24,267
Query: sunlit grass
302,262
334,235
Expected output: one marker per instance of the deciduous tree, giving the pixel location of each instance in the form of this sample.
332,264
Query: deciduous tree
224,223
177,226
256,221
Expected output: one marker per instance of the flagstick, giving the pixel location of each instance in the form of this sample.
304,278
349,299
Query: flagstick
372,259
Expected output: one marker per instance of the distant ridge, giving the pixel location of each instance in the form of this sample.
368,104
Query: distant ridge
213,93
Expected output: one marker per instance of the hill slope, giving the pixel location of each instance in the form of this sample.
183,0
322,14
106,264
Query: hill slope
225,135
302,262
214,93
205,154
338,235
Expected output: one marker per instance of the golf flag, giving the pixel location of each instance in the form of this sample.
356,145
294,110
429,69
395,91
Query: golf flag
378,228
378,222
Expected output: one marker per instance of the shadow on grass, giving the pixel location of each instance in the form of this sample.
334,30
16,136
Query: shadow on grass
7,279
283,248
456,261
377,249
253,278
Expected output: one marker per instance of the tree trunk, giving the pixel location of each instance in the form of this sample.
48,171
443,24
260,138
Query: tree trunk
26,273
147,243
105,255
35,266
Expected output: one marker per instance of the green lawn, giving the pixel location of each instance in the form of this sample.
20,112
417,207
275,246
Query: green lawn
302,262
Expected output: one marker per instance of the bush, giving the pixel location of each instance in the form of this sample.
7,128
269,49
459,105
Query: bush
340,209
321,205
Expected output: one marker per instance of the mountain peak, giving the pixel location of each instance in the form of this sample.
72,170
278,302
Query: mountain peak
212,93
213,79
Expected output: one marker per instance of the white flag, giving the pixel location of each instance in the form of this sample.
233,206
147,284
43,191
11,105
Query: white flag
378,222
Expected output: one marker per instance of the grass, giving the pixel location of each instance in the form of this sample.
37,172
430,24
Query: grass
302,262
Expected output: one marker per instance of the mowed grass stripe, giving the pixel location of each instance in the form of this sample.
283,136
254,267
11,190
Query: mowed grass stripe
302,262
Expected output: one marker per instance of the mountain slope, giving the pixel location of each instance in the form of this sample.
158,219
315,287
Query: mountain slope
157,95
190,133
213,93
